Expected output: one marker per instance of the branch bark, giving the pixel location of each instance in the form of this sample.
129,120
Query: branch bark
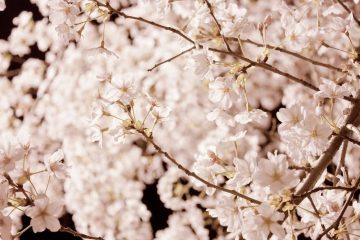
329,153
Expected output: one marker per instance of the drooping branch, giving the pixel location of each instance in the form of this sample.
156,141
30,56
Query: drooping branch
194,175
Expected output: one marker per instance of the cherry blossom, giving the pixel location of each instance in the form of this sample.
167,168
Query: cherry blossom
62,11
9,153
289,117
2,5
329,89
256,115
273,172
5,227
220,91
55,166
246,123
44,214
267,222
199,63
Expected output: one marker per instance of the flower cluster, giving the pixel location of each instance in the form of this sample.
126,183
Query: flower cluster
22,169
244,114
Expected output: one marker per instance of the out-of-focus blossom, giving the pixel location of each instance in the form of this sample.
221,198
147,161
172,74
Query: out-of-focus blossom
255,115
2,5
5,227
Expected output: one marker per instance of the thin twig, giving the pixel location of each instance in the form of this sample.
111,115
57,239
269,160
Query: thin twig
194,175
217,24
347,203
172,58
171,29
297,55
341,162
348,139
77,234
317,214
20,188
322,189
303,168
253,63
349,11
10,73
269,68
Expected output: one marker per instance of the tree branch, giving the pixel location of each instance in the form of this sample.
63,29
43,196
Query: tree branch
348,139
171,29
77,234
347,203
329,153
349,11
297,55
322,189
172,58
194,175
252,63
217,24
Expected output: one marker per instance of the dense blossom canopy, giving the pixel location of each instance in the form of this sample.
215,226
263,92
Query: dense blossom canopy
244,113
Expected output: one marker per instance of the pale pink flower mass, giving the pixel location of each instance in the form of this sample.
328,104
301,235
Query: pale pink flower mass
196,120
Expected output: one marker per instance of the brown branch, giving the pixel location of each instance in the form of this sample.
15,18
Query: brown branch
341,162
10,73
217,24
269,68
329,153
297,55
317,214
348,139
347,203
349,11
120,13
194,175
322,189
19,188
172,58
302,168
77,234
253,63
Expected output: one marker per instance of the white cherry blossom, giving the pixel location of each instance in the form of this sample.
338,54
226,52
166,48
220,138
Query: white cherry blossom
44,214
264,223
220,91
255,115
55,165
62,11
329,89
274,173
